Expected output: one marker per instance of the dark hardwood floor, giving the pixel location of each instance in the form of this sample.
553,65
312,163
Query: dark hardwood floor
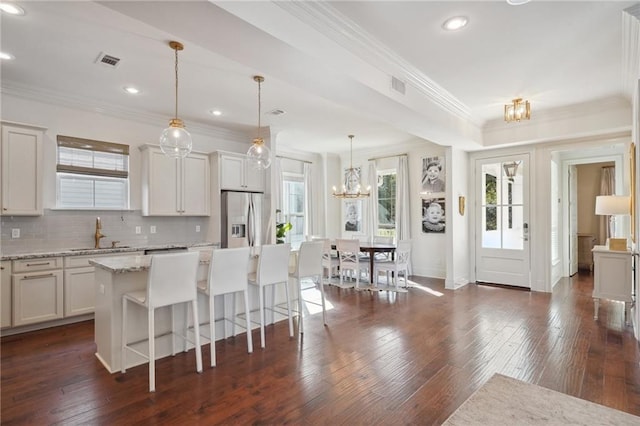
384,358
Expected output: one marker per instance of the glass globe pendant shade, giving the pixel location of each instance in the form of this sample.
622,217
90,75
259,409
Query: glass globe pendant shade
175,141
259,154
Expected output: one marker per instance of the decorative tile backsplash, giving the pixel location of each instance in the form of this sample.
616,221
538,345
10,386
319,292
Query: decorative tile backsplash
62,229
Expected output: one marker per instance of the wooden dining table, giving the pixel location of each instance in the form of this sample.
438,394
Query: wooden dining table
371,249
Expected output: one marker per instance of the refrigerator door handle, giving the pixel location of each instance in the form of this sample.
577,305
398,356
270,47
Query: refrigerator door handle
250,223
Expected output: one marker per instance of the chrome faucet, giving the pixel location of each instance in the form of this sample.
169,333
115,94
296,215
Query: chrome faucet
98,234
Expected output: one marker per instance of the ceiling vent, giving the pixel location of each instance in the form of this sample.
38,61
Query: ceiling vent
398,85
108,60
276,112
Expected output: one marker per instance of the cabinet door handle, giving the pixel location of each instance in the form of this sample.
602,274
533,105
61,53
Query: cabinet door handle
32,277
38,264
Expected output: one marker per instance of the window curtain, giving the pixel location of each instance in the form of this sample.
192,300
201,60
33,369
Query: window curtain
607,187
403,204
372,211
308,199
276,199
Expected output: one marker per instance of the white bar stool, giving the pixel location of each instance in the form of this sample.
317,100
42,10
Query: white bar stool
309,265
273,268
227,275
172,279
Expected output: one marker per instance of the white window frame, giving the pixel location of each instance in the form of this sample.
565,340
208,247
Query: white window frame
386,231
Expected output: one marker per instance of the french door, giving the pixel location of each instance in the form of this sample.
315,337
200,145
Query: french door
502,221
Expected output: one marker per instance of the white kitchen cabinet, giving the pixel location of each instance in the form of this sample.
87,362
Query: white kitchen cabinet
21,169
37,290
79,283
174,187
612,278
79,291
236,173
5,294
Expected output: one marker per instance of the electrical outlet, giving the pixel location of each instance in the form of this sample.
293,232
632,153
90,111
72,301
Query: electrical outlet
138,229
152,229
15,233
197,228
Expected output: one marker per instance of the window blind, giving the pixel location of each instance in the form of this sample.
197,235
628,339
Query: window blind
90,157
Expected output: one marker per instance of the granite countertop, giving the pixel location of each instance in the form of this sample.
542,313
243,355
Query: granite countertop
92,251
123,264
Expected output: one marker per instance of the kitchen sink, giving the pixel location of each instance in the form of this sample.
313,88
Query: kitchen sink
101,248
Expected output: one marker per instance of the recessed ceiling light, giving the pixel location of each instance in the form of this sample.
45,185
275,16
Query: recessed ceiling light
131,90
517,2
216,112
455,23
6,56
11,8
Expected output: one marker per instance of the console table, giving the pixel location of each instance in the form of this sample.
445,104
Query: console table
612,278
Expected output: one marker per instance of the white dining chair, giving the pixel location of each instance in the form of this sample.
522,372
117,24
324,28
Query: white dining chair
172,279
385,256
227,275
399,264
349,259
330,261
309,265
273,269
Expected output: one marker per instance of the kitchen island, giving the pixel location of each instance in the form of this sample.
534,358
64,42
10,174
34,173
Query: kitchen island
118,275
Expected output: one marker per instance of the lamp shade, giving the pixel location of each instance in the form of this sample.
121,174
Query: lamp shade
612,204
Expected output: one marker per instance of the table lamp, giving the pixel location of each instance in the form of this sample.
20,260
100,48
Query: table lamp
612,205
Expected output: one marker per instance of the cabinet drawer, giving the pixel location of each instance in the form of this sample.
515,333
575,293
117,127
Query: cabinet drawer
32,265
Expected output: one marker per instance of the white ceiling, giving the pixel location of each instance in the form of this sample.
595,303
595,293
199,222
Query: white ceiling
327,64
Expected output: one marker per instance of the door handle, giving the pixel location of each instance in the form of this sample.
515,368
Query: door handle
525,231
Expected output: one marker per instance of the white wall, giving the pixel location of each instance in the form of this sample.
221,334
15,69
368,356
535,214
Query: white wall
458,239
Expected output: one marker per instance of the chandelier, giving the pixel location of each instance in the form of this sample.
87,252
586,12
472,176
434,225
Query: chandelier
351,187
259,154
517,110
175,141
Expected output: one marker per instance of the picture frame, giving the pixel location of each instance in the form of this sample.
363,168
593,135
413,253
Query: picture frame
433,175
433,215
353,215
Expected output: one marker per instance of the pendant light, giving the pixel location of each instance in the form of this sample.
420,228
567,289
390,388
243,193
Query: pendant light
175,141
259,154
351,187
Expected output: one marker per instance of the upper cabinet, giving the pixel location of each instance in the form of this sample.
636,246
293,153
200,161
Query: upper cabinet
236,173
21,169
174,187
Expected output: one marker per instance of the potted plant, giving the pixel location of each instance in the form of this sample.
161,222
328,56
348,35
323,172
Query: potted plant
281,229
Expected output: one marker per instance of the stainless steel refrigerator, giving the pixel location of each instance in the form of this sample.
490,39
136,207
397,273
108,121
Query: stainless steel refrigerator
241,219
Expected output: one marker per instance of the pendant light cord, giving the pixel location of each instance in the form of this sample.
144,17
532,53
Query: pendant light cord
176,51
259,106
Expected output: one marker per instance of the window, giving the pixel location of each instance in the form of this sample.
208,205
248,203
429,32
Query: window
92,174
293,207
387,203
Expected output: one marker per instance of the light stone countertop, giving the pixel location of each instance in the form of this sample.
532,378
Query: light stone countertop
101,251
124,264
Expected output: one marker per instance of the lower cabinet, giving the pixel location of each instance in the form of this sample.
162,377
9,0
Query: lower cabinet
37,296
79,291
5,294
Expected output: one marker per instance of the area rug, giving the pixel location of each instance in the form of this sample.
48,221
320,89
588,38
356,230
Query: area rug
507,401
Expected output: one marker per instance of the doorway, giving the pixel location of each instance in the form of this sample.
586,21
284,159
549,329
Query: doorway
502,218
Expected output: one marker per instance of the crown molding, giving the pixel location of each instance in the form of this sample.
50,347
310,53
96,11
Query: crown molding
85,104
630,48
328,21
